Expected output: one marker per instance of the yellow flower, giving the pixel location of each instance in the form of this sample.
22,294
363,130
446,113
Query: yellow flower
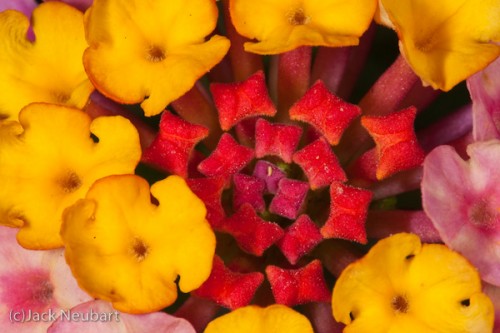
446,41
48,69
48,160
276,318
150,51
283,25
127,250
404,286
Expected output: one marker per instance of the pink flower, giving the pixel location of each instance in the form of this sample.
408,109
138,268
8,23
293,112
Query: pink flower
24,6
484,89
34,286
462,198
100,317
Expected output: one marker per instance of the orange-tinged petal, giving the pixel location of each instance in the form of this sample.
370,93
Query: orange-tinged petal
48,161
458,38
127,250
150,51
250,319
48,69
402,285
284,25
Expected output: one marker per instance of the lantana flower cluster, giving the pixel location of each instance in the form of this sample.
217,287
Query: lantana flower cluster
208,166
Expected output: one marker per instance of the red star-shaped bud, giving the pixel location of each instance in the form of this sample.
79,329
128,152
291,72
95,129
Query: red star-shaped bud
237,101
228,158
209,190
276,139
289,198
248,189
319,164
227,288
253,234
348,210
298,286
270,174
397,146
172,147
300,238
329,114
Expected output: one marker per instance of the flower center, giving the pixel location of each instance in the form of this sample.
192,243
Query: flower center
61,97
298,17
155,54
28,288
400,304
43,293
481,215
70,182
425,44
140,250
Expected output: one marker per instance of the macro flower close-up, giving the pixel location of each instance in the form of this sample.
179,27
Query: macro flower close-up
390,290
241,166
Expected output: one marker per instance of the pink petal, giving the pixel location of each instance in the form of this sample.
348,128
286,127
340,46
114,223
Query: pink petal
270,174
100,317
80,4
33,283
23,6
463,199
276,139
484,88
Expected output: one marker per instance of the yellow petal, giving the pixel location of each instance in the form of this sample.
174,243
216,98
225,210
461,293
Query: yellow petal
376,279
154,55
447,280
251,319
48,160
48,69
124,249
459,37
403,286
281,26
